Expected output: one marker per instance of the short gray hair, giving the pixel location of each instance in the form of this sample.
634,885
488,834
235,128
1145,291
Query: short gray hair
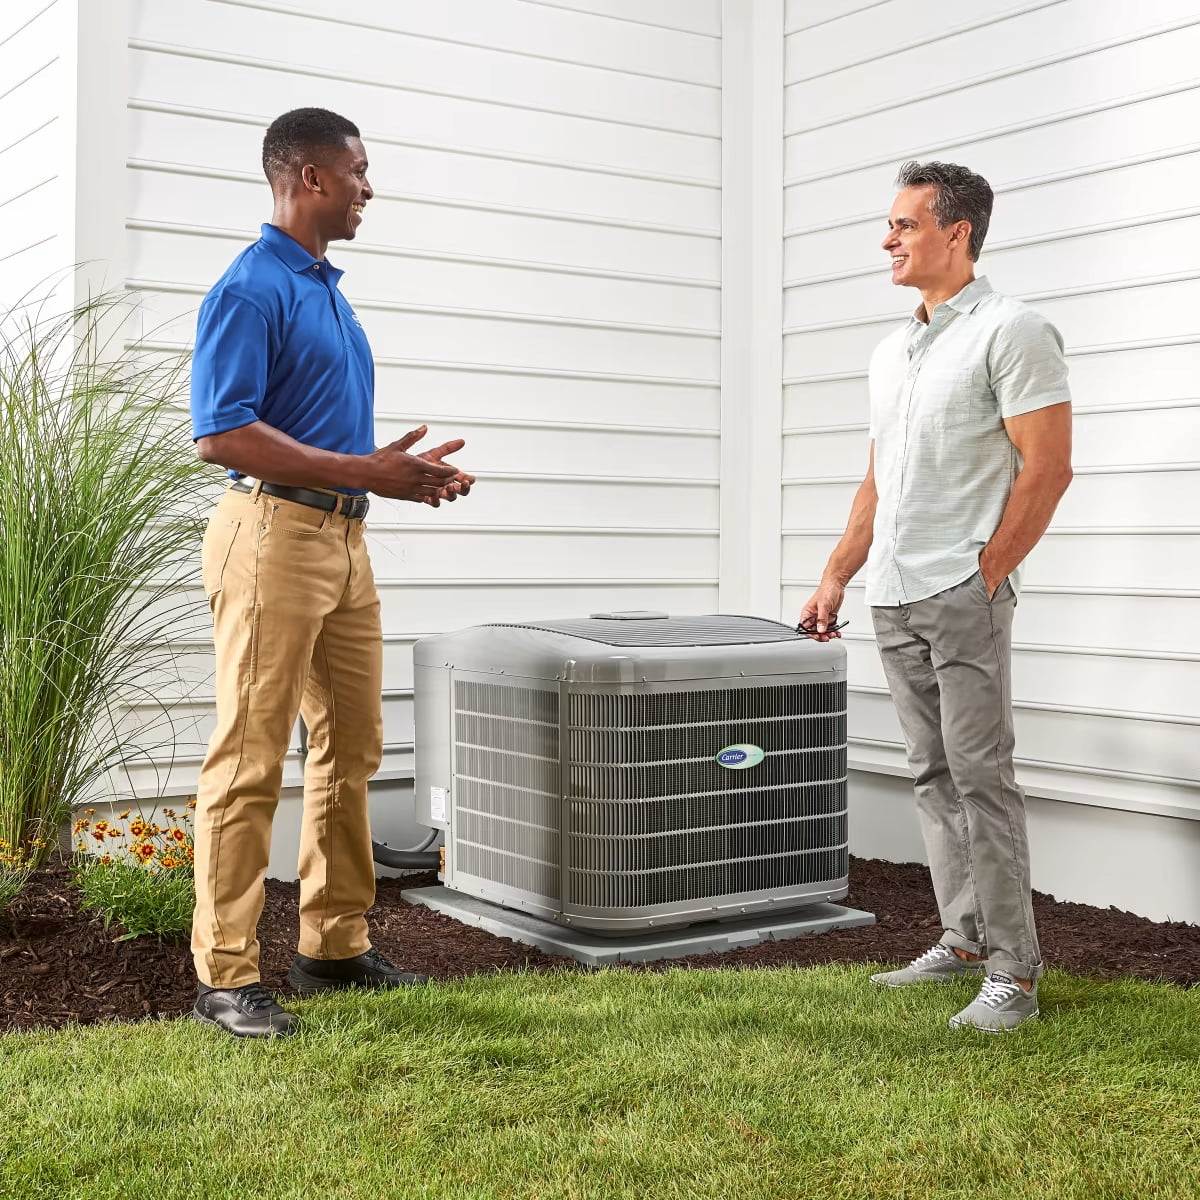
960,195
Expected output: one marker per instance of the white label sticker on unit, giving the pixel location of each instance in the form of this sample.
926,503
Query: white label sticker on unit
437,803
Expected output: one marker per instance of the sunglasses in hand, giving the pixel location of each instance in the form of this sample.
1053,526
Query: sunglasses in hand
809,628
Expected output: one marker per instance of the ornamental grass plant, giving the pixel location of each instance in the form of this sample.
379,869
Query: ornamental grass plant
99,528
16,865
143,877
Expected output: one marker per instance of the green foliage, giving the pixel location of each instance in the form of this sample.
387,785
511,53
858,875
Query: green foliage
99,486
143,879
143,900
689,1085
16,865
14,871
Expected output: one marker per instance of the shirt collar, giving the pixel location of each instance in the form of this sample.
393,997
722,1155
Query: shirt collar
291,253
966,301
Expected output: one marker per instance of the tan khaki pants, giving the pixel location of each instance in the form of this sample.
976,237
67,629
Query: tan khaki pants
297,630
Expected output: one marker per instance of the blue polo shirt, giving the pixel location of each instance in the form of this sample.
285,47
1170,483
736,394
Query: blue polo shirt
277,342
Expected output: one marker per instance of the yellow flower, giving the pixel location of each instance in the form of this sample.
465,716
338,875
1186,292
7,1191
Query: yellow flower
137,827
178,834
98,834
144,851
169,862
124,816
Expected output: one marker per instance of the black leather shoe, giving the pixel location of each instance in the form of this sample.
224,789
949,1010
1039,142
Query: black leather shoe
370,970
248,1011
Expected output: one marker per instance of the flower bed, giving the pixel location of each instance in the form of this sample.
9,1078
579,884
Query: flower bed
143,880
59,965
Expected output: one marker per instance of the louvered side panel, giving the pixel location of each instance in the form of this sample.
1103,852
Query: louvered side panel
655,820
506,786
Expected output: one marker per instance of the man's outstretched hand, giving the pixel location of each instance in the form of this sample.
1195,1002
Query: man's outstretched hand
421,478
460,485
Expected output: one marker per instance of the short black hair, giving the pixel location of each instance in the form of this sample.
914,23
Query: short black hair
293,137
961,195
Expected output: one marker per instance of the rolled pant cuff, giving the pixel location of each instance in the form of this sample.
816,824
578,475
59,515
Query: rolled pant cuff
1018,970
328,951
231,980
958,942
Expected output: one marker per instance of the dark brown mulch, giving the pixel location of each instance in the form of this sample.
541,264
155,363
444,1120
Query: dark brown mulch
58,965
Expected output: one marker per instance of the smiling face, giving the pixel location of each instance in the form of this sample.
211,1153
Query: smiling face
338,190
923,256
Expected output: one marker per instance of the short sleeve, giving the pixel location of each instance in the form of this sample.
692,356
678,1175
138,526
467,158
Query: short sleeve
1026,365
229,364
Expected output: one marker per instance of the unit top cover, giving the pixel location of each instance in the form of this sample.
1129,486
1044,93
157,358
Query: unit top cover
632,648
644,628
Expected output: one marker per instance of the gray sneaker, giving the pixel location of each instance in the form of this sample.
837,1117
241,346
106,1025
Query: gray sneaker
937,965
1002,1004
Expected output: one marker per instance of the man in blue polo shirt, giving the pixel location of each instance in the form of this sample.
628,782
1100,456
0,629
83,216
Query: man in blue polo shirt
283,397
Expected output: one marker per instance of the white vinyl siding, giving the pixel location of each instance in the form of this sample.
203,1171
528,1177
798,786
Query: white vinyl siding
37,90
1083,117
539,273
574,261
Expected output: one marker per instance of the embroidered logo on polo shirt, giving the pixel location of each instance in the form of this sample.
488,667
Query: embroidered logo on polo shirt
354,318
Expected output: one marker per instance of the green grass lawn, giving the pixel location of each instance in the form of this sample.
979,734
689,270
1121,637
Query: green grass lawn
789,1083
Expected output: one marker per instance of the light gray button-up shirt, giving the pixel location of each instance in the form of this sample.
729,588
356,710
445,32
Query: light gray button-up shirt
944,465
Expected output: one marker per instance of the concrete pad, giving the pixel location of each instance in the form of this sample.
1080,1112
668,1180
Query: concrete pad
596,950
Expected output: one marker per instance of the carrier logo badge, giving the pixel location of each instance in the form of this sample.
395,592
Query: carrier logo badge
740,757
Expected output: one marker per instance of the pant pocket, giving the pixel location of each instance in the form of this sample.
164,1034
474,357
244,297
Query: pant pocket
255,628
999,593
219,538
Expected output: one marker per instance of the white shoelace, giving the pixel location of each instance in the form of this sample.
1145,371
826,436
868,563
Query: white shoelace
933,955
997,989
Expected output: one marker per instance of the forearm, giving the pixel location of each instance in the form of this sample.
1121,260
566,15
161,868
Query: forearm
1035,496
265,452
851,551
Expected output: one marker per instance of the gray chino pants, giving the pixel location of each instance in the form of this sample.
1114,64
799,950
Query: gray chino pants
948,661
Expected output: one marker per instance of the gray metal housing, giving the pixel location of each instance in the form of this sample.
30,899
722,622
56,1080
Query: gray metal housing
573,767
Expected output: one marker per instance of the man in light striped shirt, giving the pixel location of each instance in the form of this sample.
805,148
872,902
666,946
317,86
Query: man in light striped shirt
970,454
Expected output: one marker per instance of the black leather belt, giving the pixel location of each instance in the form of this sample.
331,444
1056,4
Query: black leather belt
354,507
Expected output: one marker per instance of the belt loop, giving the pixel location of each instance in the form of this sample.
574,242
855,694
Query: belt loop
254,491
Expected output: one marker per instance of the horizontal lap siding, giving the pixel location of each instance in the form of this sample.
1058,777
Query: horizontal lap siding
36,122
538,273
1083,117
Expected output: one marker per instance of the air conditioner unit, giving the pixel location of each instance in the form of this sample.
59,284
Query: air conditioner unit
634,770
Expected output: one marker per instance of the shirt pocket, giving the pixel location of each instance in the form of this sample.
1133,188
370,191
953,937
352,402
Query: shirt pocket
947,396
